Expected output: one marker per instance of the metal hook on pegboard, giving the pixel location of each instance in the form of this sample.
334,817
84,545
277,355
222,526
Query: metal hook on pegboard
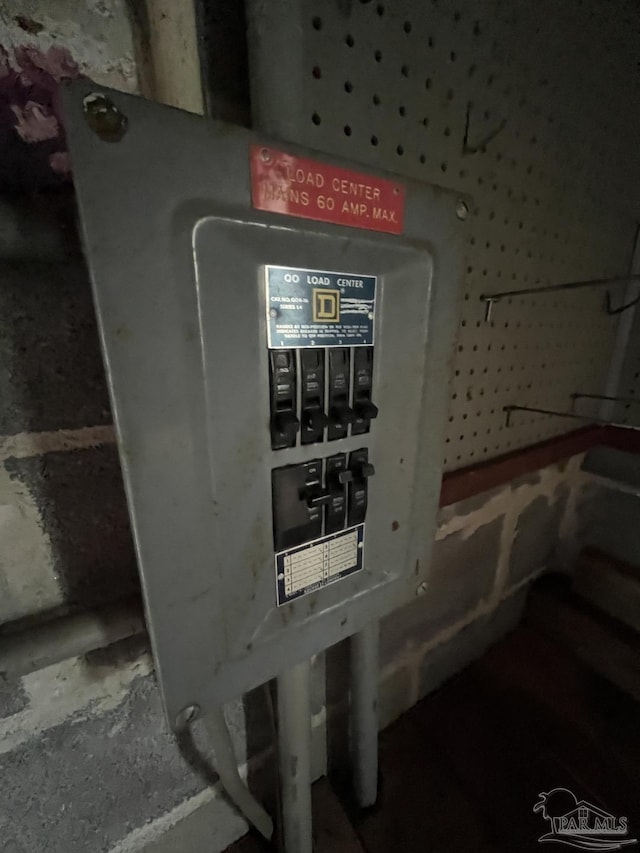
622,308
555,413
627,401
481,144
491,298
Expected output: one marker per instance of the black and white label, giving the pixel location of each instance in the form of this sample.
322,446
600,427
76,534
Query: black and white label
316,564
315,308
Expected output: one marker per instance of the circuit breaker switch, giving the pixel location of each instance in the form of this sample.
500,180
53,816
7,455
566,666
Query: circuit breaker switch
340,412
365,409
338,475
342,416
314,419
296,517
358,496
282,376
316,499
285,427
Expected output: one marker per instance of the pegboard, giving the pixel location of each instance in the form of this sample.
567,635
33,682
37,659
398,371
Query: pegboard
529,107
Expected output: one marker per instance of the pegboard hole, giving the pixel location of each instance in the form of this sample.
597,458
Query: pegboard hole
347,130
405,70
407,27
428,83
316,71
349,40
380,10
402,111
348,87
315,118
316,23
374,140
400,150
378,56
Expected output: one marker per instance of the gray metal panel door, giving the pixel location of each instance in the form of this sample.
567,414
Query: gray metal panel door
178,259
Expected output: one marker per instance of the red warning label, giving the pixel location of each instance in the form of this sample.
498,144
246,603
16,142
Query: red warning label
310,189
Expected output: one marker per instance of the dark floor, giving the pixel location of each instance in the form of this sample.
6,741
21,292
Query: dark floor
463,769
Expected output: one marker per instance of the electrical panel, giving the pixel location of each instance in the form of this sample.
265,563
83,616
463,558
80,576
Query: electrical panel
277,329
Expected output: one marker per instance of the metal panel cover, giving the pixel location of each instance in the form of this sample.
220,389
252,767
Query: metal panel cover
178,260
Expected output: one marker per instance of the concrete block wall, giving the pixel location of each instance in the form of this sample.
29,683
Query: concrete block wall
487,551
610,488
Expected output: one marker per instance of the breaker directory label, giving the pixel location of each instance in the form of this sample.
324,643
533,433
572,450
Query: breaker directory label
315,308
315,564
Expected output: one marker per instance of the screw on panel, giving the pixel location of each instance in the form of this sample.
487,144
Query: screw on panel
186,716
422,588
462,209
104,118
265,155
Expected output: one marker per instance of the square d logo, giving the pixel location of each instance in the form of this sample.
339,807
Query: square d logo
326,306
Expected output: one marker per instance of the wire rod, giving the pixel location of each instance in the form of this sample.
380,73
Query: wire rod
580,396
492,298
611,310
554,413
227,767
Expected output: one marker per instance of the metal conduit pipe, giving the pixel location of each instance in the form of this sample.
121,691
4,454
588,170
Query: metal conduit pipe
364,713
227,767
294,747
273,114
68,636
